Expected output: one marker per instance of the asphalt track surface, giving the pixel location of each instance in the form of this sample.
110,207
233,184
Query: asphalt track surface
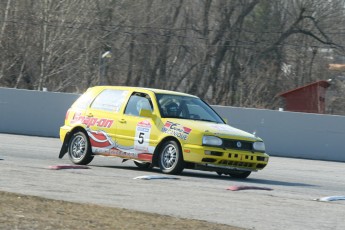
24,168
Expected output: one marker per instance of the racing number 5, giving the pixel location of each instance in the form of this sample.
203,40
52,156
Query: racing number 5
141,138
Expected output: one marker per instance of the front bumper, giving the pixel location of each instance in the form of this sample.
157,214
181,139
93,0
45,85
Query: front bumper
218,158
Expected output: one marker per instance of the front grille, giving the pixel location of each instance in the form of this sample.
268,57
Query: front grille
236,163
246,157
237,145
215,153
261,158
209,160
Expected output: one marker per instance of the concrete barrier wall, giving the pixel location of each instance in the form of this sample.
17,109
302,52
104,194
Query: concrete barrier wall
288,134
30,112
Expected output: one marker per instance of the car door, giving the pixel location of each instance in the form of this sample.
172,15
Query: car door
100,120
135,134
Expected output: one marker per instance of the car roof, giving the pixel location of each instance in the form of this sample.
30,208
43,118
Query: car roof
156,91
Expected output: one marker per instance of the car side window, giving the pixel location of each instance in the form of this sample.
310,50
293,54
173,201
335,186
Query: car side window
137,102
109,100
83,101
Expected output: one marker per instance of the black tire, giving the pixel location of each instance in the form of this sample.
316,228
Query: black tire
240,174
79,149
170,158
143,165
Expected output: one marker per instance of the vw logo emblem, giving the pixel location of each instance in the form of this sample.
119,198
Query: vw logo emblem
238,144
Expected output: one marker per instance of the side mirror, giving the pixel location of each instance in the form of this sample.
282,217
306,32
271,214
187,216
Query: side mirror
146,113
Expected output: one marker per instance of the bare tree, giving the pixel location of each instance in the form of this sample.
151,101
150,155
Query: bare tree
240,53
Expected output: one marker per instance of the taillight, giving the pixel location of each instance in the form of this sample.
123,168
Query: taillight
67,113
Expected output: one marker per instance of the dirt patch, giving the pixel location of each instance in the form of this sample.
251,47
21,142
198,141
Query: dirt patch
30,212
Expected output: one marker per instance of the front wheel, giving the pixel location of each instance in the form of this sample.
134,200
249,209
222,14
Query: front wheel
170,158
240,174
79,149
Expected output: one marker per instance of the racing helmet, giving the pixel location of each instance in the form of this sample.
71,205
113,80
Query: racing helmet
172,109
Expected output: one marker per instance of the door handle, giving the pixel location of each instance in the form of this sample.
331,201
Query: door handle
122,121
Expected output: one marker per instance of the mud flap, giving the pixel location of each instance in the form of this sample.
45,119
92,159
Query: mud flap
64,147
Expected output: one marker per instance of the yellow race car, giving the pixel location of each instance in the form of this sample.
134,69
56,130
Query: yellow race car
157,128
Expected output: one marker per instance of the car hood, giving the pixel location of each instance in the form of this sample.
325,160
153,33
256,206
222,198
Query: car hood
211,128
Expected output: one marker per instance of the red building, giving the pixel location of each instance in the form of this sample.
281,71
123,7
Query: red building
308,99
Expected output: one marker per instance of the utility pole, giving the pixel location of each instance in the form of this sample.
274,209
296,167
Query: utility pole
103,67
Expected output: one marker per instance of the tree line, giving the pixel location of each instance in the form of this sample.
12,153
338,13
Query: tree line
228,52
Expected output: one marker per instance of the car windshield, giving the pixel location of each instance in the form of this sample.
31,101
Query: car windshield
185,107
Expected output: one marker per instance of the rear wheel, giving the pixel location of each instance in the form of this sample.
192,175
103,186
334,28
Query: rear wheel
79,149
170,158
240,174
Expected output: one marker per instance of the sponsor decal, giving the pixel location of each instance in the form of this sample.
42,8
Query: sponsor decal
176,130
103,144
114,152
100,139
145,157
91,121
142,136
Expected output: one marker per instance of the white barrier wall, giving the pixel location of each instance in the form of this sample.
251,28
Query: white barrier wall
301,135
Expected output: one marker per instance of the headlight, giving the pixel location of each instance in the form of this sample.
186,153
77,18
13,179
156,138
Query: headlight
212,140
259,146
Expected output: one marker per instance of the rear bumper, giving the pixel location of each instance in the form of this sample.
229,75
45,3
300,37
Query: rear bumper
63,131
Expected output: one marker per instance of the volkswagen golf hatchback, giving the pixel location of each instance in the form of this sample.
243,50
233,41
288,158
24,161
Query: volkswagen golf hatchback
157,128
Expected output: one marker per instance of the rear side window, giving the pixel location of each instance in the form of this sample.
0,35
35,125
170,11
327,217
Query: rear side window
109,100
83,101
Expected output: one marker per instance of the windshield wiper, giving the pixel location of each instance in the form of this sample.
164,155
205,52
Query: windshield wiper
194,119
200,119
